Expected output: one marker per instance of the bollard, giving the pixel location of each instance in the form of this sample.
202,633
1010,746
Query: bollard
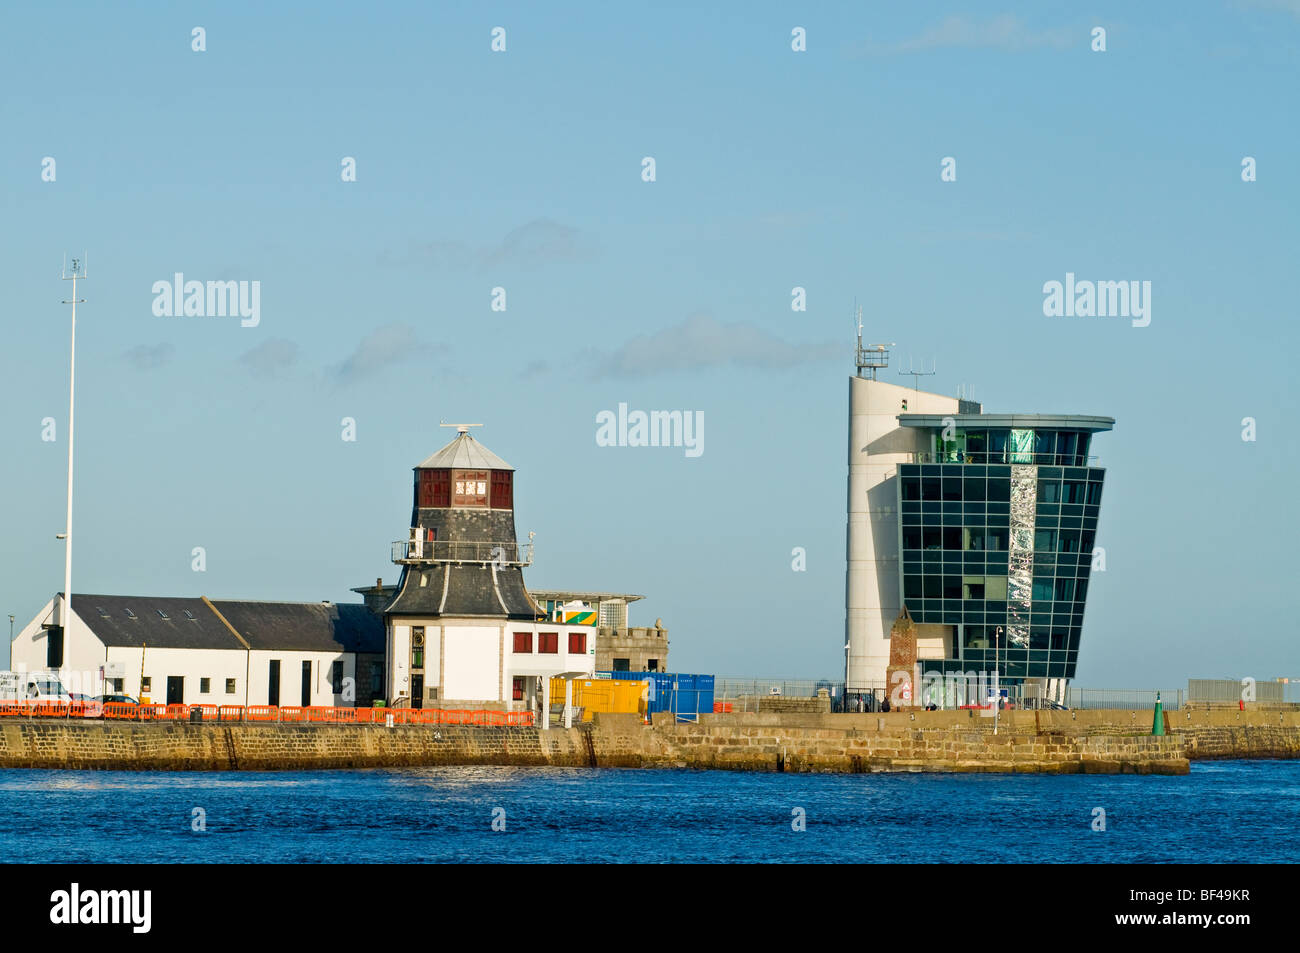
388,721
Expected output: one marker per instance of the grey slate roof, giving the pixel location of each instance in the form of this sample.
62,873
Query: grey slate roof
306,626
470,591
465,453
132,621
303,626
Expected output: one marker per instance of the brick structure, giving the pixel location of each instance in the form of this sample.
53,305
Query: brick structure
900,676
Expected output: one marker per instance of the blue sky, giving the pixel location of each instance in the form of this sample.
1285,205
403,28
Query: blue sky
774,169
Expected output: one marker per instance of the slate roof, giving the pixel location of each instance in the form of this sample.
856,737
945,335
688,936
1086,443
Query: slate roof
469,592
132,621
306,626
465,453
162,622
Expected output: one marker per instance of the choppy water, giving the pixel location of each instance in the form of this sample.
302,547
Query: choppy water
1239,811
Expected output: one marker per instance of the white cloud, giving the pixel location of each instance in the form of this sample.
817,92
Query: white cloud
702,342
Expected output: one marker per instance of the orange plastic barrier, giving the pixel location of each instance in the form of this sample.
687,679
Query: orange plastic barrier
206,712
722,708
120,710
262,713
230,712
291,713
152,712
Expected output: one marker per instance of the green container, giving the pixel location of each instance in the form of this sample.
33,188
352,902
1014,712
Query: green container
377,704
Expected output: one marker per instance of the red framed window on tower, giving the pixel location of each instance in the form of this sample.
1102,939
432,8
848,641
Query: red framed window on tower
548,643
524,643
577,643
502,497
435,488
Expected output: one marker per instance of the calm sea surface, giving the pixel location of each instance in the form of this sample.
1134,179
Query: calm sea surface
1234,811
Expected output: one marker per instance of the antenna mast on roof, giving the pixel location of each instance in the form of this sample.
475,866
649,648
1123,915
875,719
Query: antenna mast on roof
460,428
915,375
872,357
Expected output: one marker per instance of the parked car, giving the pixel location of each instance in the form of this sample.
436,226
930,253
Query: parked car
119,698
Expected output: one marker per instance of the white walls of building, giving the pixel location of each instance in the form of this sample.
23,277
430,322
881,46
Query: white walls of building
472,667
399,661
190,665
877,445
320,684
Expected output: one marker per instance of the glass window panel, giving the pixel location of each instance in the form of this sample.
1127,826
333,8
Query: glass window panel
999,490
995,588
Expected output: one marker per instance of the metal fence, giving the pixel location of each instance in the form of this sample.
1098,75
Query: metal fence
1139,698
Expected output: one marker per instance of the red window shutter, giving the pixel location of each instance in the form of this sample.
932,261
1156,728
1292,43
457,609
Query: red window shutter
577,643
441,482
548,643
501,485
524,642
518,689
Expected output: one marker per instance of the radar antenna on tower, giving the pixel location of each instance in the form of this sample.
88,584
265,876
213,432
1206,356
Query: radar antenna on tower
870,357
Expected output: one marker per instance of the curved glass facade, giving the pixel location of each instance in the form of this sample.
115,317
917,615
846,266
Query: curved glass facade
966,555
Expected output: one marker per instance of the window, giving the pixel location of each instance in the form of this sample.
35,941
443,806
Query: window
972,587
205,686
116,683
548,643
417,647
911,537
911,488
1049,492
1045,541
54,647
470,488
999,491
1073,491
621,664
652,665
190,615
577,643
146,684
435,488
1069,542
129,613
501,492
524,643
336,677
162,615
517,688
230,686
1094,493
952,537
613,614
995,588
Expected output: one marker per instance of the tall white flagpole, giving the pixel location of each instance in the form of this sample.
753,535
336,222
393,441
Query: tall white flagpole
66,621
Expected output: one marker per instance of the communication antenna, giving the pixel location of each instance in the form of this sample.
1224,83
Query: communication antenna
78,271
460,428
916,375
871,357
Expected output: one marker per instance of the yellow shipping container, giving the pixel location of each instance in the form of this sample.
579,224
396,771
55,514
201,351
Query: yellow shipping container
603,695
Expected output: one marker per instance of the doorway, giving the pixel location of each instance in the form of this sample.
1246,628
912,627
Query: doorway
306,684
175,690
273,683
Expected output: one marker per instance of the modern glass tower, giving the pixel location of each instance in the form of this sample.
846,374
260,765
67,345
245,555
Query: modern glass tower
982,525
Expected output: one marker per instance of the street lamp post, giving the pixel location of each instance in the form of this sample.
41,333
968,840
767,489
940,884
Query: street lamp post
997,675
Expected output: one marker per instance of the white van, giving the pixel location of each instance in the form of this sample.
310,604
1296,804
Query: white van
32,686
